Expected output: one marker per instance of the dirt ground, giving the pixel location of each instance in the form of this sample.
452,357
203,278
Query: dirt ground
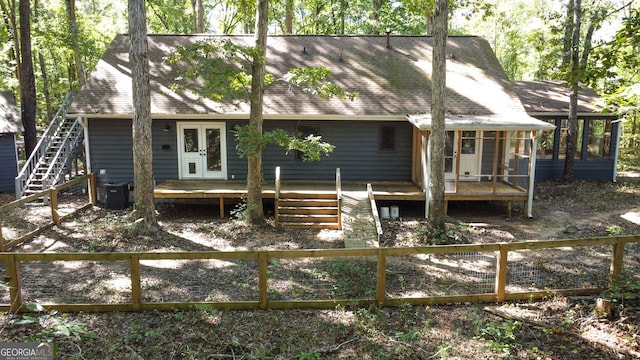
556,328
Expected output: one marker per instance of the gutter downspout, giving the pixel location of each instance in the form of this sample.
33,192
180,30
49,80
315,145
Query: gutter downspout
616,153
87,153
532,178
426,172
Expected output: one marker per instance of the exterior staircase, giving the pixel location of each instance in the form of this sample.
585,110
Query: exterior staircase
51,163
308,210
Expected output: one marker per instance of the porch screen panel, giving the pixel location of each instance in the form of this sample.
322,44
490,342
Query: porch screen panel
599,139
214,151
545,143
448,152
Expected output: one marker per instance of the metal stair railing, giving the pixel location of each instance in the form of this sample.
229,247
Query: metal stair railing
63,156
37,157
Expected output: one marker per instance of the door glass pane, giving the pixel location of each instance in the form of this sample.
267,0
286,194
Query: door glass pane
190,140
214,154
468,142
448,152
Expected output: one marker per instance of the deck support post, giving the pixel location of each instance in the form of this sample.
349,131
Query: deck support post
221,198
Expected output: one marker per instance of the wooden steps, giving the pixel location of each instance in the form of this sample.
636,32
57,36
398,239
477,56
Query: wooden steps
308,210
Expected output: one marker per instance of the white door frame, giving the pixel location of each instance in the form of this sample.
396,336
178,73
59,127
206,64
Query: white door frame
193,165
471,163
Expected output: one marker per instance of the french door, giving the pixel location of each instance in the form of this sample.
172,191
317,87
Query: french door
202,150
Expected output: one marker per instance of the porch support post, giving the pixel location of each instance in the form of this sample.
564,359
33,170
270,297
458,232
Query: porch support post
87,153
616,152
426,171
532,173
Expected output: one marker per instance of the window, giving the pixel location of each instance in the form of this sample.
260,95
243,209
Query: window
599,139
302,131
387,138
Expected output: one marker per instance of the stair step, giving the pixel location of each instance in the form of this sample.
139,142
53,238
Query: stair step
307,195
308,210
307,218
309,225
307,202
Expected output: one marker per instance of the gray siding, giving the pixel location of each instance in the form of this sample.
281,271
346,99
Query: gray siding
8,162
111,149
356,153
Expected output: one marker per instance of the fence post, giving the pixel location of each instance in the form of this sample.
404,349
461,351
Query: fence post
262,279
501,273
93,190
617,257
136,290
15,291
53,194
381,282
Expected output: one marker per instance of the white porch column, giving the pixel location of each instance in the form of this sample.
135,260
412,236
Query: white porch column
532,177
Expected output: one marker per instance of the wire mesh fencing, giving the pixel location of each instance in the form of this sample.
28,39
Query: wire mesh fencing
319,278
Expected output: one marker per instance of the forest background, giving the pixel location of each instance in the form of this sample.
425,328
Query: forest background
530,38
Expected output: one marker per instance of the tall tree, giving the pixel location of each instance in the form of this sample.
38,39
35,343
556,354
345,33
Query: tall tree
255,211
27,80
73,30
141,127
437,215
197,6
573,81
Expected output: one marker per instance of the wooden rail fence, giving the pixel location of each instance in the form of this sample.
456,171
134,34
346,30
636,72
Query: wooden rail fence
270,273
52,196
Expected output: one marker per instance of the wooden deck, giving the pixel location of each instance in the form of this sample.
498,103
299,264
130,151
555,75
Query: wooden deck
382,190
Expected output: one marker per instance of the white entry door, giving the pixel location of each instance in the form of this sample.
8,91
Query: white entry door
202,150
470,159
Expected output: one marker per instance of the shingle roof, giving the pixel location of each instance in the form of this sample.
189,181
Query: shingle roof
390,81
10,121
552,97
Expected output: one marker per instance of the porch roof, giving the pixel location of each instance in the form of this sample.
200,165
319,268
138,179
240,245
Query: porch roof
515,122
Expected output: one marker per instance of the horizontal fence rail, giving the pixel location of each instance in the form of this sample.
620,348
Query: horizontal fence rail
50,196
132,281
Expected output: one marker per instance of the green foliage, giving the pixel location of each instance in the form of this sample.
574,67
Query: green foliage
250,141
501,335
52,324
314,81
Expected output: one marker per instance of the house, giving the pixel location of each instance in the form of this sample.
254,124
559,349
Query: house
381,137
597,145
10,125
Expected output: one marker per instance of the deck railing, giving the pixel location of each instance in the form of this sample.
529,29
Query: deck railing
339,196
374,212
276,196
318,278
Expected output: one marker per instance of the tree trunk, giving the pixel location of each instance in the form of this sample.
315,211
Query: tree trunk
377,5
141,129
255,211
27,80
437,214
567,39
73,27
574,78
45,86
198,16
288,17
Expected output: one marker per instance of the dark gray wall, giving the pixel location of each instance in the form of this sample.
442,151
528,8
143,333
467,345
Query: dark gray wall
111,149
8,163
357,152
